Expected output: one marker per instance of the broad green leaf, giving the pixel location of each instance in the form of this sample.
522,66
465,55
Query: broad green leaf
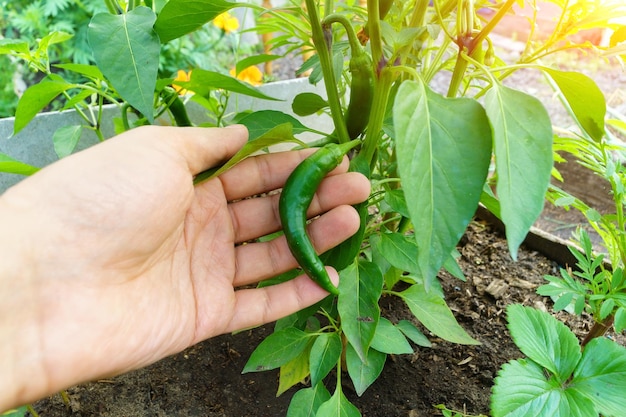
601,376
360,288
34,99
9,46
364,373
584,98
279,134
306,402
523,149
452,266
521,389
261,122
325,353
253,60
277,349
305,104
389,339
126,50
607,308
544,339
444,149
53,38
180,17
338,406
620,320
294,371
65,139
397,202
16,412
90,71
413,333
400,251
12,166
203,81
433,312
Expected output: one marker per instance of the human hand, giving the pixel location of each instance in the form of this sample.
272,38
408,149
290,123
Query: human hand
121,261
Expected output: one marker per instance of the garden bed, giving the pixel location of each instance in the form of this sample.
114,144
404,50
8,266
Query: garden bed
206,380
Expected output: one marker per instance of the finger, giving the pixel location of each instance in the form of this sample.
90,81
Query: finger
259,261
254,307
263,173
203,148
259,216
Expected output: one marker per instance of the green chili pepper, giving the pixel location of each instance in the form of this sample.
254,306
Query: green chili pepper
296,198
176,107
361,93
362,83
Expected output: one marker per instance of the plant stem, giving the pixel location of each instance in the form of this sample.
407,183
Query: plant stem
355,45
598,329
461,63
373,25
327,70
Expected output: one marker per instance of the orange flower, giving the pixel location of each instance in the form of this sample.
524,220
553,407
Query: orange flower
251,75
181,76
226,22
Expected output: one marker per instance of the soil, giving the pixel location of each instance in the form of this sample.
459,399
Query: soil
206,380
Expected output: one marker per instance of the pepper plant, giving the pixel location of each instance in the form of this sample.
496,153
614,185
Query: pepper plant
432,154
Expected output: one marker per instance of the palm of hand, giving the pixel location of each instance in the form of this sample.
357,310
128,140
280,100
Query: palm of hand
148,264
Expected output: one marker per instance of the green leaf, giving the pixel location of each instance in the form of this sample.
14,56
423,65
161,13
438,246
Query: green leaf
363,373
293,372
126,50
180,17
277,349
10,46
279,134
253,60
360,288
521,389
400,251
90,71
16,412
620,320
544,339
389,339
203,81
413,333
324,356
607,308
397,202
338,406
34,99
584,98
306,402
305,104
261,122
12,166
601,376
523,149
432,311
65,139
444,150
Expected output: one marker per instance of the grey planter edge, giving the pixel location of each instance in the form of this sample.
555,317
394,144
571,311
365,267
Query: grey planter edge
33,145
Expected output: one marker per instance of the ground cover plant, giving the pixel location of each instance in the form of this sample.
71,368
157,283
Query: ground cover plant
432,157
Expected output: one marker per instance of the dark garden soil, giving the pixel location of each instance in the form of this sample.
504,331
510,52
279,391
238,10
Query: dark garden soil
206,380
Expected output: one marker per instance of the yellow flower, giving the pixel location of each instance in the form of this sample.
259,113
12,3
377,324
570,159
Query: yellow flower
181,76
251,75
226,22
